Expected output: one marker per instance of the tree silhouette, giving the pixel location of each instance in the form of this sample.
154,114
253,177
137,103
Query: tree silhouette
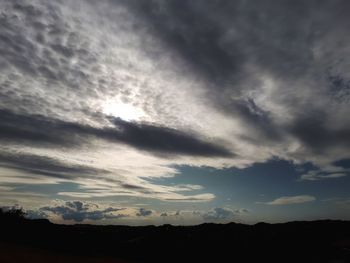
12,214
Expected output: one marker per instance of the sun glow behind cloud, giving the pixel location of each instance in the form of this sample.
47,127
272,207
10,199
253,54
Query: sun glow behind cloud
125,111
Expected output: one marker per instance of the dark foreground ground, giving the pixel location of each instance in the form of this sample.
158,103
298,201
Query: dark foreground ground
25,240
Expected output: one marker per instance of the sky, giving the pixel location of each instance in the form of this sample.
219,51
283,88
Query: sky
143,112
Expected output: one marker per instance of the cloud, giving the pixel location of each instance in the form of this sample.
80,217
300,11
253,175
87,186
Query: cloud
41,130
144,212
328,172
46,166
35,214
244,67
79,211
258,63
241,211
313,177
219,213
194,198
153,138
58,77
287,200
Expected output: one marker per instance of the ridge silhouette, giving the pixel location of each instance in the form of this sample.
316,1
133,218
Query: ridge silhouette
303,241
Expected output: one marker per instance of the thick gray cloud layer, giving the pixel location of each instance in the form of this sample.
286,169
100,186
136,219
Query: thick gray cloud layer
235,45
38,130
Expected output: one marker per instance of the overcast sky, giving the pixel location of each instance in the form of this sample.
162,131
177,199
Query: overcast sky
174,111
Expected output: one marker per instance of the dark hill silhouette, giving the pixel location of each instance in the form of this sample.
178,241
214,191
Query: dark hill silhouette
24,240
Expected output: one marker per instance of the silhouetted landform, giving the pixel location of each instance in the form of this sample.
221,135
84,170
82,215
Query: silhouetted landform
24,240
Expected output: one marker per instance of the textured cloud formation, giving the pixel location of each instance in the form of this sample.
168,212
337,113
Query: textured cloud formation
109,95
89,212
219,213
45,166
271,66
144,212
79,211
287,200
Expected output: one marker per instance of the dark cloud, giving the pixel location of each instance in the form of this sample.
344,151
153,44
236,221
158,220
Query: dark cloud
315,132
42,165
39,130
80,211
144,212
77,205
162,139
339,87
233,44
218,39
187,28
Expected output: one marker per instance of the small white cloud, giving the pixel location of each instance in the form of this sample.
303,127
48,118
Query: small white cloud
287,200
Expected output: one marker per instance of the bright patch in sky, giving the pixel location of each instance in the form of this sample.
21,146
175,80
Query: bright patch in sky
127,112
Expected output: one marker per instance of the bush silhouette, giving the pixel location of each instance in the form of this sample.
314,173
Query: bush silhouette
12,215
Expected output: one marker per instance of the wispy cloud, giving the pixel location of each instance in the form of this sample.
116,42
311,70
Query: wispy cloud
288,200
328,172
